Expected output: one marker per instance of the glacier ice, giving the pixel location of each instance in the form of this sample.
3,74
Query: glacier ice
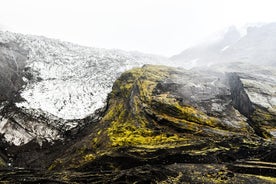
71,81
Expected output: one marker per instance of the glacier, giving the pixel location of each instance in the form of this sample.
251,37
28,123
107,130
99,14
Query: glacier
71,81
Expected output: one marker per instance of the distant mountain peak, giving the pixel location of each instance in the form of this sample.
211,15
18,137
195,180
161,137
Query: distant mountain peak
256,46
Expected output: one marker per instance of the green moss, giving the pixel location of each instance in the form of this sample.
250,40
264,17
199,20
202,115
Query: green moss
267,179
172,109
130,126
55,164
2,163
260,115
264,122
88,157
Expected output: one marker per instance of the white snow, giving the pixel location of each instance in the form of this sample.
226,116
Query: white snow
3,122
225,48
23,132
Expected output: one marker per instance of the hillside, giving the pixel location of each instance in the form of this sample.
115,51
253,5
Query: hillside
74,114
160,116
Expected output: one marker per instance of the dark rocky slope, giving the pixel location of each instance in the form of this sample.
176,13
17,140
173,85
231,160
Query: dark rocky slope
169,125
164,125
160,124
12,63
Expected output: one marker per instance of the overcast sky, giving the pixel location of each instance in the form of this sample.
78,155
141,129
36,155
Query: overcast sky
164,27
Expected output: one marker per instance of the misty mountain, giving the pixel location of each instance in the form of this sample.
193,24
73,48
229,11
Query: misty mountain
257,46
75,114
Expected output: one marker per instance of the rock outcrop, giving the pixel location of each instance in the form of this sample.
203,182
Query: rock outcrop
171,125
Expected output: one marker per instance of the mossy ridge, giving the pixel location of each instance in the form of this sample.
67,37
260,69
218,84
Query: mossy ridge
119,126
130,126
129,123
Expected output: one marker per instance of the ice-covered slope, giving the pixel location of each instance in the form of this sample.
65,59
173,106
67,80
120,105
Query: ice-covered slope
47,85
71,81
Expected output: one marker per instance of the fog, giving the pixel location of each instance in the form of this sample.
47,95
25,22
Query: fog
164,27
255,45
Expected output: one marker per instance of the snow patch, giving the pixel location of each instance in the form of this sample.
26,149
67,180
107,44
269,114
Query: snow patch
225,48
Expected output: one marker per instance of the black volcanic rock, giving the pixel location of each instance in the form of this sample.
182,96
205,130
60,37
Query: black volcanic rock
12,63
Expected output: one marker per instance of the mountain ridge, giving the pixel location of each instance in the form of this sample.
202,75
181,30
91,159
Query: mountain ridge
73,114
255,47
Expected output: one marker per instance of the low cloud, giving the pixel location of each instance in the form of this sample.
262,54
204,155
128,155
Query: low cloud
2,26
